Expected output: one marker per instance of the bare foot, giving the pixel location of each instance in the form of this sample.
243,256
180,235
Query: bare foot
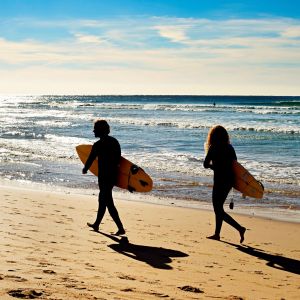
214,237
120,232
95,227
242,233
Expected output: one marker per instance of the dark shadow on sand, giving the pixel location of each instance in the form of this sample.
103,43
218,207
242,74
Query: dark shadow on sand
156,257
275,261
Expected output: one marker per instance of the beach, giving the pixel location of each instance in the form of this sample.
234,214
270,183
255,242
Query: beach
48,252
181,109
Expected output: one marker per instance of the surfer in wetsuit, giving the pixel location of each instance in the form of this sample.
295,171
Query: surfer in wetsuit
108,152
219,158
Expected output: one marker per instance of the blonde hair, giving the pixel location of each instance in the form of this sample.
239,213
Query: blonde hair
217,136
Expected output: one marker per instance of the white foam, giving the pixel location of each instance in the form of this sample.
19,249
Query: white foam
208,122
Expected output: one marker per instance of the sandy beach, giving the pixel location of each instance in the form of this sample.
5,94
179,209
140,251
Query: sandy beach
48,252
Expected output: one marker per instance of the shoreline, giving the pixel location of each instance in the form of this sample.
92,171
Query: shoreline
283,213
48,252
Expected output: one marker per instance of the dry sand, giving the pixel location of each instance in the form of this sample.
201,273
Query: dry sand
48,252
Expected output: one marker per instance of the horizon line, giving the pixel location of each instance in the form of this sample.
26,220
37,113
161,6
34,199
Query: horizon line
149,95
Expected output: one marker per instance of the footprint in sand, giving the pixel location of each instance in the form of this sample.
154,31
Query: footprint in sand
126,277
49,272
15,278
188,288
127,290
90,266
25,294
160,295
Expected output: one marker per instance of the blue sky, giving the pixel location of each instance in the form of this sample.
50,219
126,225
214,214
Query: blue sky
171,8
149,47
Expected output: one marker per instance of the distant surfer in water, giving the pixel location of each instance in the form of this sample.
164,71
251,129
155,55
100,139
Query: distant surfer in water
108,152
219,157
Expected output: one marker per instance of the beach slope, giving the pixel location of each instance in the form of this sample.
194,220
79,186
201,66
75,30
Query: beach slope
48,252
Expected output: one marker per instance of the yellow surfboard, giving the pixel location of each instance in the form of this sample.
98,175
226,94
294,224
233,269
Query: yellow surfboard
130,177
246,183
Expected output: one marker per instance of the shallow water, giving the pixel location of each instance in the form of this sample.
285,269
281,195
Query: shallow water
163,134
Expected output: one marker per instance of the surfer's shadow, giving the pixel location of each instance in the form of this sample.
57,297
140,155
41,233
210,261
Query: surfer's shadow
157,257
275,261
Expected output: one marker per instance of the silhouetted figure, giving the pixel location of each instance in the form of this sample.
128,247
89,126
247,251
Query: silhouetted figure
220,156
108,152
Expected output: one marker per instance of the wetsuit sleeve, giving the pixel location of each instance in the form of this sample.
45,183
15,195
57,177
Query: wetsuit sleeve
91,158
208,160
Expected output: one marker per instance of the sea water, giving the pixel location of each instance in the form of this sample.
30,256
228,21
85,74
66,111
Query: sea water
165,135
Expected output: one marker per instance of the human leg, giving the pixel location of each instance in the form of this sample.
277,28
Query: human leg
101,211
219,196
101,206
112,209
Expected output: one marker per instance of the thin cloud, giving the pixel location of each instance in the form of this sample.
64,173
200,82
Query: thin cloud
192,54
291,32
88,38
174,33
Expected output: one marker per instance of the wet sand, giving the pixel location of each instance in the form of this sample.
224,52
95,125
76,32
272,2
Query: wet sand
48,252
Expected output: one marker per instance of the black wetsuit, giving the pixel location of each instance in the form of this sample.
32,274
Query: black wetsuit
220,159
108,152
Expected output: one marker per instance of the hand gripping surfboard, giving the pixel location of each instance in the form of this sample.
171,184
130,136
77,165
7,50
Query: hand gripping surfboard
130,177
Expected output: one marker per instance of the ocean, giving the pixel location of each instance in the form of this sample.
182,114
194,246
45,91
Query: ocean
165,135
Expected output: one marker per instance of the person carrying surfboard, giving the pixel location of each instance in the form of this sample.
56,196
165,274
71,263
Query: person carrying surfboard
219,157
108,152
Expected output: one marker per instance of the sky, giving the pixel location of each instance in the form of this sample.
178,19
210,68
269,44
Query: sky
188,47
